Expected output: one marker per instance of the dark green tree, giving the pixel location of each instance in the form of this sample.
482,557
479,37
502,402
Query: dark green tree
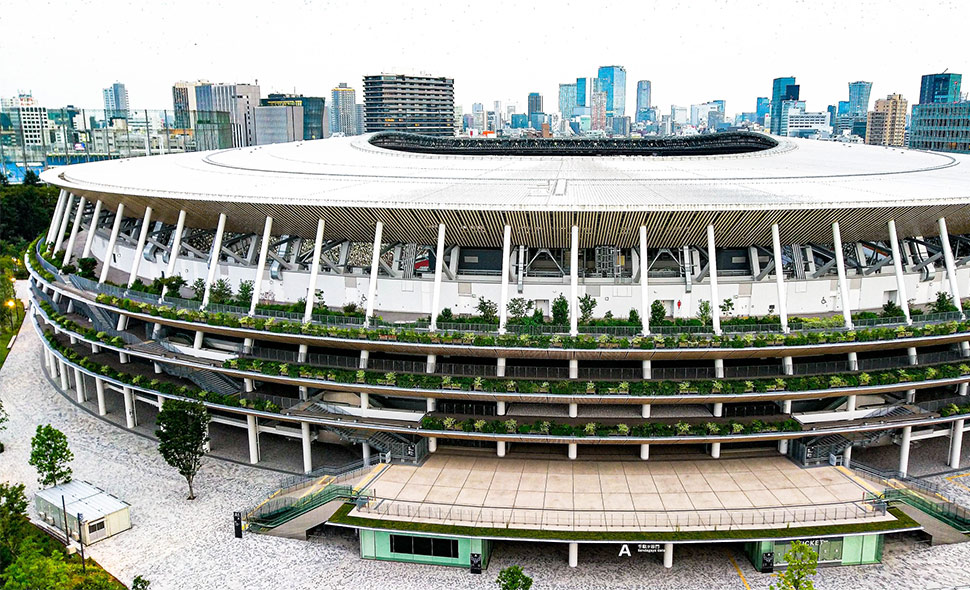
487,309
183,431
140,583
943,303
586,306
49,454
13,520
802,563
560,310
3,180
658,313
513,578
518,307
31,179
32,570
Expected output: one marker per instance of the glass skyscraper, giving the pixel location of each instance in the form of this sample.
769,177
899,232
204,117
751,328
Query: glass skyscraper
762,108
940,88
643,101
313,112
782,89
567,100
859,99
116,101
614,84
535,103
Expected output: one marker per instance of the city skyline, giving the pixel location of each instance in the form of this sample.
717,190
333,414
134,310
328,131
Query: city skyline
822,70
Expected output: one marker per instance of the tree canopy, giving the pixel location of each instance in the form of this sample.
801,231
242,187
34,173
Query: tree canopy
183,431
50,454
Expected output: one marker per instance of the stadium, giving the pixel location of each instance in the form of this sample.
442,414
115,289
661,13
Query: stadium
591,341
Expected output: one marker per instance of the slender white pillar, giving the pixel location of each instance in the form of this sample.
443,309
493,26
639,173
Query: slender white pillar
573,410
500,408
850,403
439,261
956,443
718,409
500,366
668,555
904,450
853,361
574,368
431,404
142,238
75,228
99,388
307,457
365,453
432,444
56,219
501,448
898,268
311,290
65,380
647,369
92,229
951,267
786,411
716,450
253,430
214,258
644,283
840,267
780,279
912,356
78,386
712,273
574,283
719,368
503,304
573,554
261,264
375,269
787,365
645,411
130,421
65,217
176,248
847,456
644,452
364,400
572,450
431,363
109,253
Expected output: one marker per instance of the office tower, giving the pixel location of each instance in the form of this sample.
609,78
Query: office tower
184,102
859,99
940,88
796,122
678,115
620,126
459,118
567,100
115,102
941,126
315,123
886,124
499,115
478,116
238,100
843,107
584,86
598,100
762,109
413,103
643,101
343,110
520,120
27,118
782,89
720,105
535,103
362,118
699,113
613,80
279,123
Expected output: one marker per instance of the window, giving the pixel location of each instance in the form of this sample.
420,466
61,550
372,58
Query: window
424,546
96,526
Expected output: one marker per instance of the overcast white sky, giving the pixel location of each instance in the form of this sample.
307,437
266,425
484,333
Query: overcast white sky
66,51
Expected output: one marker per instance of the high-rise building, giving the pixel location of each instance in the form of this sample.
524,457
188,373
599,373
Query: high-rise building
535,103
762,109
843,107
678,115
343,110
315,124
279,123
567,100
28,120
782,89
361,118
796,122
239,100
598,100
699,112
184,102
115,102
886,124
613,81
941,126
859,99
940,88
413,103
584,86
643,101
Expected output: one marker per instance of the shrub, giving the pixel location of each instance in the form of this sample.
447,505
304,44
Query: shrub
658,313
586,306
487,309
560,310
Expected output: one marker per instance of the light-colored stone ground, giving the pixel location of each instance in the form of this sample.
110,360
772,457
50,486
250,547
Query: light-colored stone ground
189,545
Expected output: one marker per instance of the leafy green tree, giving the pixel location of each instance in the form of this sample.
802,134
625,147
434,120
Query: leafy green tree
32,570
221,292
704,311
658,313
586,306
891,310
13,520
634,317
86,267
198,289
802,565
560,310
727,306
245,295
49,454
513,578
943,303
140,583
3,180
183,432
27,212
487,309
518,307
31,179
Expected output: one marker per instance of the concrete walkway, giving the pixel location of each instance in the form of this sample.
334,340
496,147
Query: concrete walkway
939,531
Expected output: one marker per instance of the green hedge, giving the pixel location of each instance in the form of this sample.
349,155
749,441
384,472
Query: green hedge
643,429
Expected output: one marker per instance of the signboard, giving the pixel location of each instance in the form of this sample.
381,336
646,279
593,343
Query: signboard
627,551
475,561
237,524
767,562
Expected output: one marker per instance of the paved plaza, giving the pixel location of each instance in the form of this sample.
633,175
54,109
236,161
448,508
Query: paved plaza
179,544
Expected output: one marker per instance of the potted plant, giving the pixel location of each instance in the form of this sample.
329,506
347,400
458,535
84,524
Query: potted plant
361,376
510,386
590,387
544,387
478,384
555,341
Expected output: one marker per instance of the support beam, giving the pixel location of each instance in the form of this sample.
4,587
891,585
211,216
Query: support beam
75,228
501,448
130,420
365,453
375,270
307,457
109,253
431,404
644,452
574,284
668,555
904,443
780,278
173,254
951,271
956,443
261,264
571,452
439,262
214,258
853,361
716,450
644,283
311,290
62,198
573,410
142,238
253,429
574,368
500,367
79,386
840,267
503,304
573,554
712,264
898,269
92,229
500,408
645,410
65,217
99,388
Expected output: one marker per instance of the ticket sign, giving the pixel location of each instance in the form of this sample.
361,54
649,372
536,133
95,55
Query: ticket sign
627,549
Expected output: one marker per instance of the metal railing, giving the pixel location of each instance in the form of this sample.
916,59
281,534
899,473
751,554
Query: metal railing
293,483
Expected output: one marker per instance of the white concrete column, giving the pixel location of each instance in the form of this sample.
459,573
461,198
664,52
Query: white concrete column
501,448
668,555
847,456
75,228
109,253
439,263
500,408
911,355
139,249
719,368
788,365
645,411
780,279
573,554
573,410
718,409
311,290
197,342
712,273
364,358
176,248
910,396
853,361
850,403
431,404
951,272
214,258
785,410
62,198
431,364
904,450
79,386
261,264
574,368
307,457
99,387
365,453
92,229
572,450
503,303
840,267
130,421
647,369
898,269
375,269
248,385
574,283
364,400
716,450
644,283
500,367
65,217
432,444
253,430
62,371
158,368
963,388
956,443
644,452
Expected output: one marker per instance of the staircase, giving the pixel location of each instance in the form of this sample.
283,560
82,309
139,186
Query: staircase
278,511
819,449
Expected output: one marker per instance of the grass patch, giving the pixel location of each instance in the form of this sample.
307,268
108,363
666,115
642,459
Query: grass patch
6,334
342,516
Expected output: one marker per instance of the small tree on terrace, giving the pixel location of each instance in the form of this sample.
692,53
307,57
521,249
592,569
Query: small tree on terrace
513,578
802,565
183,432
704,311
586,306
658,312
487,309
560,310
518,307
49,454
